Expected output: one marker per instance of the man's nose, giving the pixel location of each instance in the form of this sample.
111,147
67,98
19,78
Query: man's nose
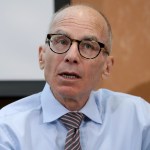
72,55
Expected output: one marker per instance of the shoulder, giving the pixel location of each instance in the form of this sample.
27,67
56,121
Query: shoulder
123,104
17,120
25,104
106,95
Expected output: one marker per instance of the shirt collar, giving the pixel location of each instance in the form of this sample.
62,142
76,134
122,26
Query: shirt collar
52,109
92,109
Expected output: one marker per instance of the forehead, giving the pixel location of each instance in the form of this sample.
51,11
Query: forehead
80,18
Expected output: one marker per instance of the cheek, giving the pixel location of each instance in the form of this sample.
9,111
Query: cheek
48,71
95,73
49,68
48,62
52,62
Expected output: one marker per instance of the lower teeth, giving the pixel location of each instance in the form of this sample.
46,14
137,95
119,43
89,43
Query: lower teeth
70,77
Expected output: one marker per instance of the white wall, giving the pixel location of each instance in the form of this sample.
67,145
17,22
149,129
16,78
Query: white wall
23,27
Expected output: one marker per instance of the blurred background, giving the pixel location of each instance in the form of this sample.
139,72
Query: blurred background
130,22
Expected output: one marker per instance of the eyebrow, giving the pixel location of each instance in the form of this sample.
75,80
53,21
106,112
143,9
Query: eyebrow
61,32
91,38
87,37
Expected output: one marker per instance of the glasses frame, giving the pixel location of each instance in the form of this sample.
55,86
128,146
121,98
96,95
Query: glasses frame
102,46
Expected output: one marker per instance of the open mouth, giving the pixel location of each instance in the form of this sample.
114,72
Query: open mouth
70,75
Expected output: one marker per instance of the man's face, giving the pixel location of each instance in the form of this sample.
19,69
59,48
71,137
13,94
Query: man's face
70,75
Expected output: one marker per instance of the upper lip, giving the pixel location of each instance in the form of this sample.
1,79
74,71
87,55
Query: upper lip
70,73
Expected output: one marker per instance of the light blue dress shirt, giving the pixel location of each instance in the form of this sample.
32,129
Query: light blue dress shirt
114,121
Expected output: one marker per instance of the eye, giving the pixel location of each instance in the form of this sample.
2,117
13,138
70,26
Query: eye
63,42
59,39
87,45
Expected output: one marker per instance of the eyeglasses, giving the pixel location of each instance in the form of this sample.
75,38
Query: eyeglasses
87,48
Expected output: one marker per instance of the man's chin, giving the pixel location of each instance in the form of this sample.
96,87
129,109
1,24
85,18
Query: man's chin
65,92
68,93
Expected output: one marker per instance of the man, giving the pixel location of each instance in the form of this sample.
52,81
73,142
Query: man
75,57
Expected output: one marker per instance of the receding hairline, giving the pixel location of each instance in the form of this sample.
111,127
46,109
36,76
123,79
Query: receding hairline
109,41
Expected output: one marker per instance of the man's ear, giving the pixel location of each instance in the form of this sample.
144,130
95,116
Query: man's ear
42,57
108,67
